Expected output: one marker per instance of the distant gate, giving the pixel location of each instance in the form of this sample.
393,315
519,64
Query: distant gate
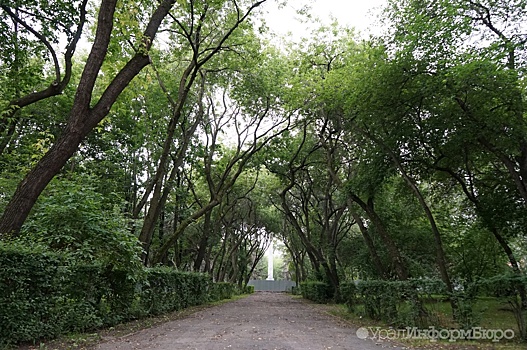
272,286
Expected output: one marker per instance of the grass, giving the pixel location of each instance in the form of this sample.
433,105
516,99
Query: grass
491,313
85,341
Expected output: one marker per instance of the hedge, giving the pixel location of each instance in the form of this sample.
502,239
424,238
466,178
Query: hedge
248,289
402,303
29,294
316,291
348,294
222,290
398,303
45,294
167,290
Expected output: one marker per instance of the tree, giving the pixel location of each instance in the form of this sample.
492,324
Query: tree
83,117
204,40
32,30
85,113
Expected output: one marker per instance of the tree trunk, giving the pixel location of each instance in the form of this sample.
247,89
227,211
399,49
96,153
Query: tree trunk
377,262
38,178
393,251
82,118
158,200
489,224
7,138
203,243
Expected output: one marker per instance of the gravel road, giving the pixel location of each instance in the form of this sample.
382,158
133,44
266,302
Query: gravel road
263,321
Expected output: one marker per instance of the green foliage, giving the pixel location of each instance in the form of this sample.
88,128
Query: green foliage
26,63
444,104
319,292
398,303
43,294
166,289
348,294
222,290
418,302
511,288
465,314
28,293
74,218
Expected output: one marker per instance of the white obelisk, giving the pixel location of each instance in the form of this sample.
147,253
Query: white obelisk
270,256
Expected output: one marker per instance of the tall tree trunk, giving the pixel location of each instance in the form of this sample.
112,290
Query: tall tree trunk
440,252
203,243
157,201
82,118
492,228
377,262
393,252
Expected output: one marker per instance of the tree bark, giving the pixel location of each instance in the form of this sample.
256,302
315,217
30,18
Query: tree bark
82,118
393,251
203,242
377,262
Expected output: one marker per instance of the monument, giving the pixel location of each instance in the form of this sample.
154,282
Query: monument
270,284
270,267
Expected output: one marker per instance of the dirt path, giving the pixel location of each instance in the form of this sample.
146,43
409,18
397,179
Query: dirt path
261,321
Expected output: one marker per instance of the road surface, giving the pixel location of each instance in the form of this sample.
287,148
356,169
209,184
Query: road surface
263,321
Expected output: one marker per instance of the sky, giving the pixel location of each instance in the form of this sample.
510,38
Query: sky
356,13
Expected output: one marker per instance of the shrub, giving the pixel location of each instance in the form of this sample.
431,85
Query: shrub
222,290
248,290
398,303
29,293
82,290
45,294
166,290
318,292
348,294
74,218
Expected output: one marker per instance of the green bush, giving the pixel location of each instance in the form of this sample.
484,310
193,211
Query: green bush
74,217
29,293
398,303
82,289
348,294
248,290
222,290
44,294
318,292
166,290
119,295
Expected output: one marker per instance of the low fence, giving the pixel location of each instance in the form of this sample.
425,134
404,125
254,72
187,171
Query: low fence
272,286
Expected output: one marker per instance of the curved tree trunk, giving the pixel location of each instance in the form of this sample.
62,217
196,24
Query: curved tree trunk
395,256
82,117
522,292
377,262
203,242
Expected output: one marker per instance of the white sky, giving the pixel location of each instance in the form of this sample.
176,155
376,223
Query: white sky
360,14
